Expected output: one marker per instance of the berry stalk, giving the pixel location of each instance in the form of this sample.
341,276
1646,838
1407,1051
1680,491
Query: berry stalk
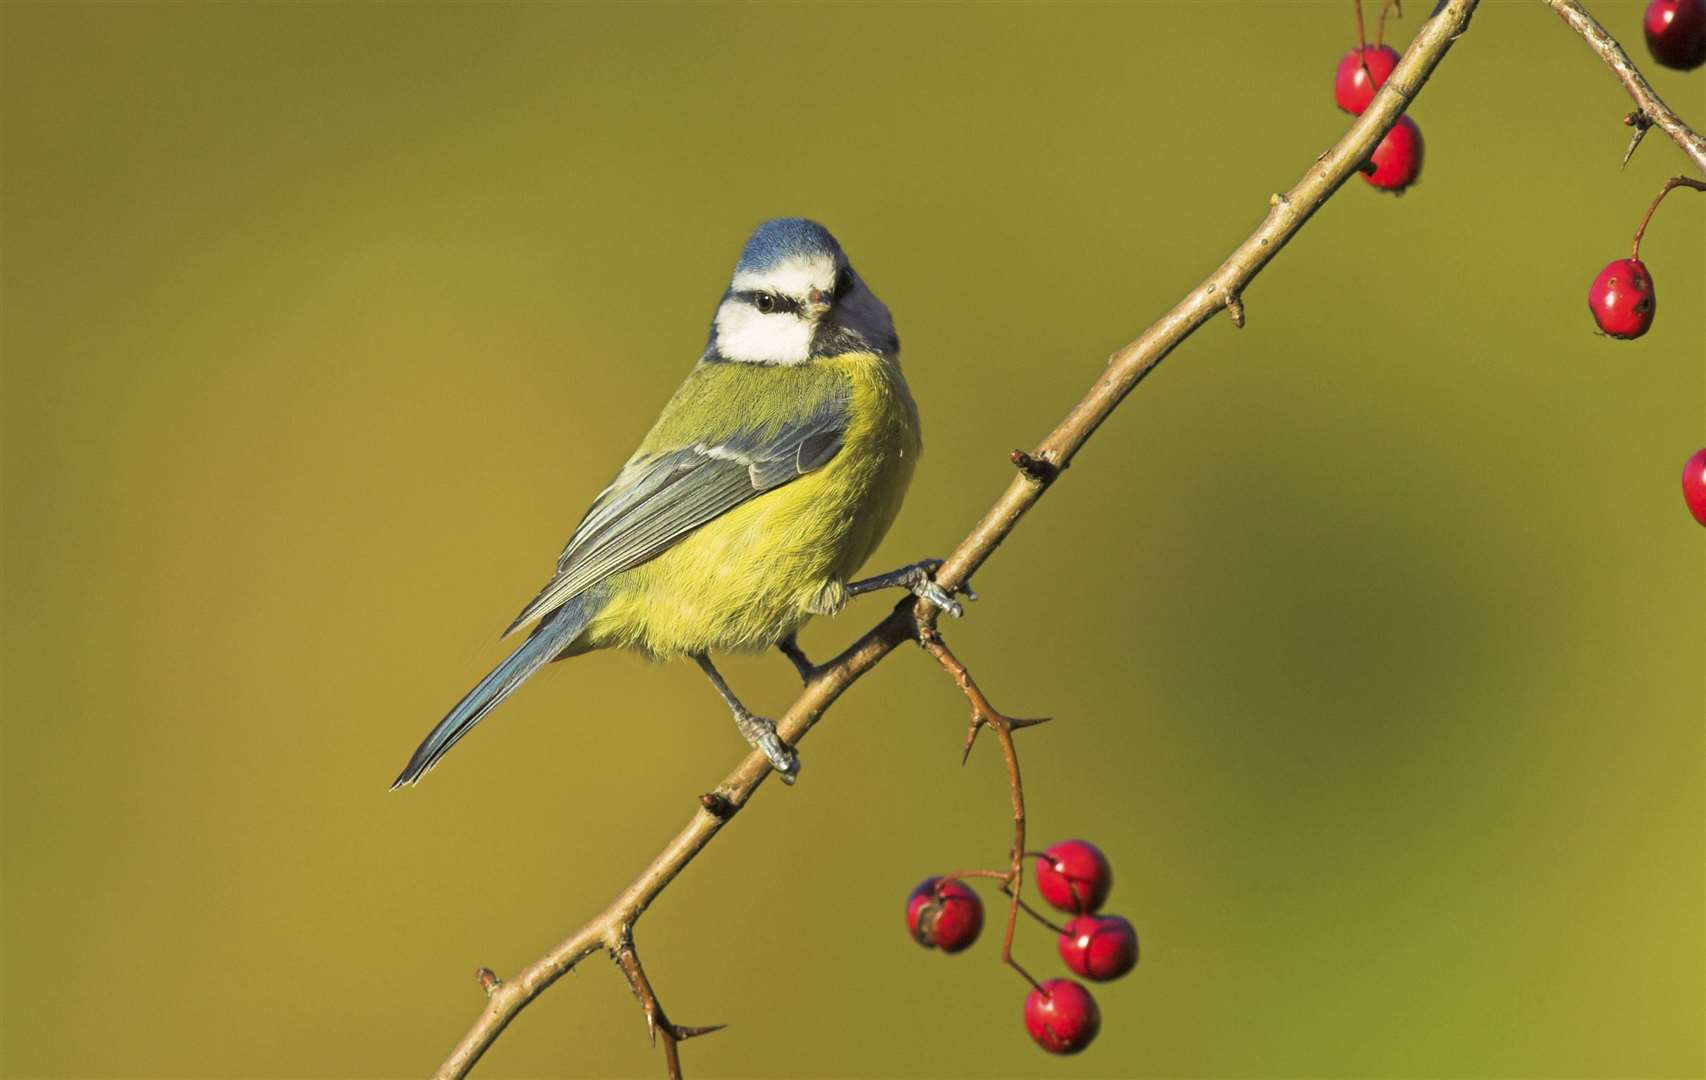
1380,25
1670,185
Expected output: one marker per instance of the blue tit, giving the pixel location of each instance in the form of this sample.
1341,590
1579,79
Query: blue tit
770,478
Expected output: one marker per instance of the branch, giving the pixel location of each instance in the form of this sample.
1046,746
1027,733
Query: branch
1650,104
610,930
1220,291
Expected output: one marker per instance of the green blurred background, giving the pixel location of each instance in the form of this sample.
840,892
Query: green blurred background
1374,630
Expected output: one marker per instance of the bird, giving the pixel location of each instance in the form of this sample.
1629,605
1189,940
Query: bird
769,478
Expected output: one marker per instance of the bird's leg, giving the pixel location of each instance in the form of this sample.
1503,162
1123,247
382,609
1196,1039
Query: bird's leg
756,730
790,647
916,579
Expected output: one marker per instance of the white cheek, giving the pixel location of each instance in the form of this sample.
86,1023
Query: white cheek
747,335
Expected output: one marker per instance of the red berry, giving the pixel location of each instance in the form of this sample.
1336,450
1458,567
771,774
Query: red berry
944,915
1074,876
1099,947
1694,485
1362,72
1398,159
1622,298
1061,1016
1676,32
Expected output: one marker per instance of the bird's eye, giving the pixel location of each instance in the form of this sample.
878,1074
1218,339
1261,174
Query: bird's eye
764,302
844,282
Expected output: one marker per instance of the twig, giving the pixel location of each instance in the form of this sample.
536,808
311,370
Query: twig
1125,369
657,1024
983,715
1649,102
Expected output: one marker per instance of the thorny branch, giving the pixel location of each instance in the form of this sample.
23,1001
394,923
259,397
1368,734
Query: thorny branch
656,1022
1651,108
611,931
983,715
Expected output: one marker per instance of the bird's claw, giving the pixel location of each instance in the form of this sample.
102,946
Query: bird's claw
761,734
923,585
918,580
782,759
926,589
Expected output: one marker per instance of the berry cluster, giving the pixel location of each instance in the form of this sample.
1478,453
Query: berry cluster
1397,160
1074,877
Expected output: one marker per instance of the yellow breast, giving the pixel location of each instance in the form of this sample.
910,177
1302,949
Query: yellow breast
754,575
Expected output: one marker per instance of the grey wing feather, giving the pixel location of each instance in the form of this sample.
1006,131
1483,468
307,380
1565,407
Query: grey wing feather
656,501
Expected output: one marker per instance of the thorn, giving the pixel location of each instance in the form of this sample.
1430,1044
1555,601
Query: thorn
718,805
1017,724
1640,121
488,980
683,1033
971,738
1039,469
652,1025
1235,308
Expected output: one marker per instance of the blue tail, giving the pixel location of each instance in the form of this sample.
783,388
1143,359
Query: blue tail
548,639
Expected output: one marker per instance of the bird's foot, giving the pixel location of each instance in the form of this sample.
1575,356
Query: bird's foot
761,735
917,580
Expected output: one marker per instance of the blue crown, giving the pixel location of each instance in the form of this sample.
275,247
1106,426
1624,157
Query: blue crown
785,238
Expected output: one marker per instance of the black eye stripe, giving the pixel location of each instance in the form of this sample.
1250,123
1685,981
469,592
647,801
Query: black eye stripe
768,301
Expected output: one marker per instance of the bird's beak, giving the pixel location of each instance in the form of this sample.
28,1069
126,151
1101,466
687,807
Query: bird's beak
818,303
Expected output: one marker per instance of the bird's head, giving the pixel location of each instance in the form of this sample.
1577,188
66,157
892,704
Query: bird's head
794,297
